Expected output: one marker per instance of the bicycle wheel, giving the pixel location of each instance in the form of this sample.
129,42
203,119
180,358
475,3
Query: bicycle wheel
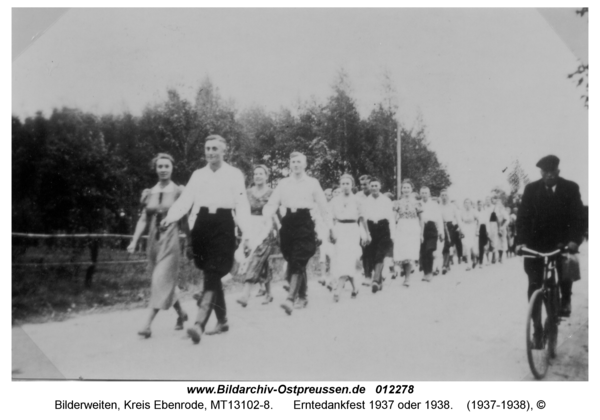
551,323
537,341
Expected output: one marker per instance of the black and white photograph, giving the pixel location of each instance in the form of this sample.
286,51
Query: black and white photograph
300,194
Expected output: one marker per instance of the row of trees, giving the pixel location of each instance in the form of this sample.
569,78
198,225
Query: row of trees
76,171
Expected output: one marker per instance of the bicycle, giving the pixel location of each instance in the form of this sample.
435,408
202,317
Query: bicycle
544,311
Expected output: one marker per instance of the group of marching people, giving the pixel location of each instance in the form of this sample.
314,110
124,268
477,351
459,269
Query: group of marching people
298,218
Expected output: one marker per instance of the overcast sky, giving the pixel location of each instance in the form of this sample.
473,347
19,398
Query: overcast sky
490,84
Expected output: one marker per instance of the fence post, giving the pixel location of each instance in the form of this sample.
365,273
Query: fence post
94,246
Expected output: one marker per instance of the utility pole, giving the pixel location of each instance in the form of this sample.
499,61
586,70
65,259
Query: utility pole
398,160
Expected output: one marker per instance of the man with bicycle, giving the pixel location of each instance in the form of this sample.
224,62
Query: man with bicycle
550,216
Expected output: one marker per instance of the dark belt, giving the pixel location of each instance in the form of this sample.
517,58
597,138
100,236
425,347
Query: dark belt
346,221
300,211
221,212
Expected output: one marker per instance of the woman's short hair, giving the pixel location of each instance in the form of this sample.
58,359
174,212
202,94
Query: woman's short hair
409,182
159,156
264,168
347,176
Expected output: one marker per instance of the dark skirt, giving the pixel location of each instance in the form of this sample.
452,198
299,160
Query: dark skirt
298,239
213,241
381,241
483,236
450,236
430,236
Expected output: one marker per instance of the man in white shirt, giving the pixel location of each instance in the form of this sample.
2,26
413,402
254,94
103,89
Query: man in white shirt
451,229
378,210
362,196
431,231
299,194
483,216
214,193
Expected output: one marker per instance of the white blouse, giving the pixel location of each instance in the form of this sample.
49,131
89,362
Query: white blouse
432,213
376,209
346,208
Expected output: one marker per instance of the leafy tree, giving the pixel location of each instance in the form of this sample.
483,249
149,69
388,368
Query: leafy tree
581,74
75,171
517,179
340,127
74,182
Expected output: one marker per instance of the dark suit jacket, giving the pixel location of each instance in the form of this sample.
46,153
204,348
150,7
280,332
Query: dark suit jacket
545,220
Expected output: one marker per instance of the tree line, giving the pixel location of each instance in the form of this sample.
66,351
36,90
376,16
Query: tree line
75,171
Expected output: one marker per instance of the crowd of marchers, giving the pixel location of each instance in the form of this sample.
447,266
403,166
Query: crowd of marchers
361,234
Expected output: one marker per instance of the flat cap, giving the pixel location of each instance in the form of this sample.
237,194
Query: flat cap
548,163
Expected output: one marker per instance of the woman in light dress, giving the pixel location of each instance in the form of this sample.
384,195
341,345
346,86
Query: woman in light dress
407,233
348,232
470,229
163,245
263,239
497,228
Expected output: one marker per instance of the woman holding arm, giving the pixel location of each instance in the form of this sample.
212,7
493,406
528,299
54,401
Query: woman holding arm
407,234
349,229
470,229
163,245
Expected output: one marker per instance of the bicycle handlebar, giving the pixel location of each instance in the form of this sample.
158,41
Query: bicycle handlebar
536,254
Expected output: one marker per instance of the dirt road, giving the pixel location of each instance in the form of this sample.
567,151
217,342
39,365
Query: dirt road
462,326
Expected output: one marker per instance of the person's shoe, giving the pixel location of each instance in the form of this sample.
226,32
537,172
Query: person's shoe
301,304
375,287
474,264
468,268
286,287
195,333
444,271
436,272
287,307
405,284
336,298
565,310
268,299
180,320
354,294
261,292
146,333
242,302
538,341
322,282
219,328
